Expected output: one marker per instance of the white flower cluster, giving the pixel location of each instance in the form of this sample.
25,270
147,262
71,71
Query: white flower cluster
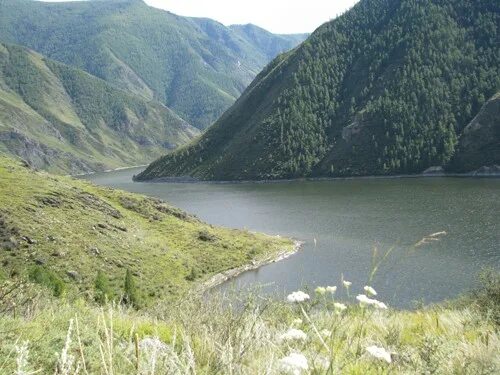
367,301
370,291
297,297
294,364
379,353
293,334
321,290
346,284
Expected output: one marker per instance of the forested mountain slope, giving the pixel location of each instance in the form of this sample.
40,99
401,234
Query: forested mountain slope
197,67
64,120
479,144
386,88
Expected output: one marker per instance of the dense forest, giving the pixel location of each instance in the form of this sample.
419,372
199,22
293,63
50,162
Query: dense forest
62,119
387,88
197,67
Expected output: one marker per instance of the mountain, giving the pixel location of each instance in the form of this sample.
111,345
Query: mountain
479,144
387,88
64,120
197,67
60,232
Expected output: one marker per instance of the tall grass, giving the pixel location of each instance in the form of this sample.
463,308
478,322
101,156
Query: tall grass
203,335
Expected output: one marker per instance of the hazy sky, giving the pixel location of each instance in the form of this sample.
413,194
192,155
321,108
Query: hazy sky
278,16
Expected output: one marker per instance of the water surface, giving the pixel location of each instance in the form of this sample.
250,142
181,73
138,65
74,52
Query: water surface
349,219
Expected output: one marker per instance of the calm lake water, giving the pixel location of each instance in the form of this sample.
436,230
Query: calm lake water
348,219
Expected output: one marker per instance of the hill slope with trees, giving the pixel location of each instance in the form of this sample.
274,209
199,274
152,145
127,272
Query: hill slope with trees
64,120
197,67
60,232
386,88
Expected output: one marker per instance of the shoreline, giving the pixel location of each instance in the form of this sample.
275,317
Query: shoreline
222,277
192,180
107,171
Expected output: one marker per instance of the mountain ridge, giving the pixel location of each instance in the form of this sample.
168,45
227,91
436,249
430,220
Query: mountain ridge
59,118
195,66
387,88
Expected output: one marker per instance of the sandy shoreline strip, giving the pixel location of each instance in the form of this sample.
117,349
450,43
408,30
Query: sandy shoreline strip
222,277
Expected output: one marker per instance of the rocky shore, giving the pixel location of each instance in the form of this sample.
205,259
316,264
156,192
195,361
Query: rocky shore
222,277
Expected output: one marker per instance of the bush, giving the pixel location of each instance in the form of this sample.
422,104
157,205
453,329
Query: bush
488,295
193,275
131,296
103,291
48,279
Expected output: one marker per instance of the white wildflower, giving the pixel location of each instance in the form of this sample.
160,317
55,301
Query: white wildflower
370,291
339,306
320,290
364,301
298,296
346,284
293,334
297,322
331,289
379,353
294,364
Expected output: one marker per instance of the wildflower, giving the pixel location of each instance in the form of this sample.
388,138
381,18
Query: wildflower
293,334
331,289
370,291
380,305
339,307
293,364
379,353
297,322
298,296
320,290
326,333
364,300
346,283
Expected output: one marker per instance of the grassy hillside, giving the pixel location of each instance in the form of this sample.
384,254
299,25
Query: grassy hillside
61,232
66,121
206,336
387,88
197,67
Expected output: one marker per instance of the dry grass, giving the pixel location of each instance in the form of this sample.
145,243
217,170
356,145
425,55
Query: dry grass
225,335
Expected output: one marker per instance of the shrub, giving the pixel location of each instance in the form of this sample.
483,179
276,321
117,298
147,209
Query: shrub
103,291
131,296
488,295
49,279
193,275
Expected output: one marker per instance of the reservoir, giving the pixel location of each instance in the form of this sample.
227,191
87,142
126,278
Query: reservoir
348,226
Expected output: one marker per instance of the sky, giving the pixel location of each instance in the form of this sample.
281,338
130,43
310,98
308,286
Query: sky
277,16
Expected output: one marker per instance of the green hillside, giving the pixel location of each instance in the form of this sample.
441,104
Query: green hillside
197,67
61,232
387,88
64,120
